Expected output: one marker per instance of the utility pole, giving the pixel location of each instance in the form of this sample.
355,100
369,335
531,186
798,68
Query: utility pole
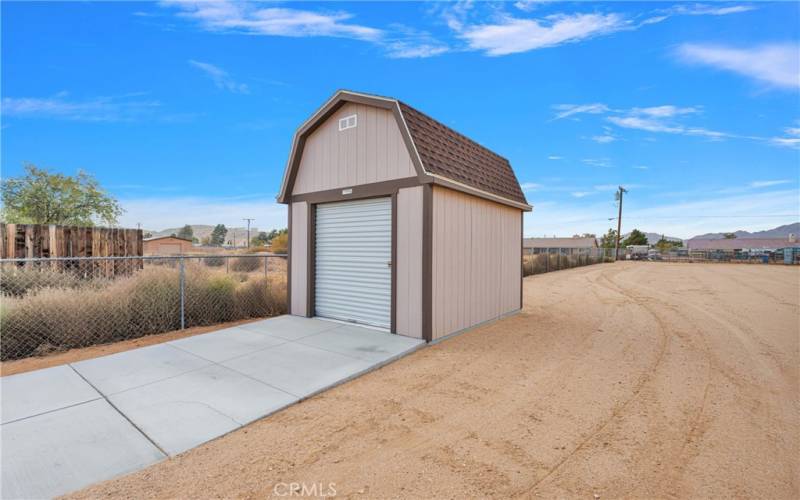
248,230
621,191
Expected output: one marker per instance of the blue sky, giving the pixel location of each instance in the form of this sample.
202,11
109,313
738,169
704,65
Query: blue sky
185,111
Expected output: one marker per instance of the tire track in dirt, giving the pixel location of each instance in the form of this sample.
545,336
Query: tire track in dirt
743,384
602,279
679,459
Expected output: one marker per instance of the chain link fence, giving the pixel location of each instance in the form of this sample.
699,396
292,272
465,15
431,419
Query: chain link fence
56,304
788,255
544,260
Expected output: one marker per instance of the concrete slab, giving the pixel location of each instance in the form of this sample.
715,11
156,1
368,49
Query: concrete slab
135,368
299,369
67,449
362,343
60,436
227,344
184,411
40,391
291,327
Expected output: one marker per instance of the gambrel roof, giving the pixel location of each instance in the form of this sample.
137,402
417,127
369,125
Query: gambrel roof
440,154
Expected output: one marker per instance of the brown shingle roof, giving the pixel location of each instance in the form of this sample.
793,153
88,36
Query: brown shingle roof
447,153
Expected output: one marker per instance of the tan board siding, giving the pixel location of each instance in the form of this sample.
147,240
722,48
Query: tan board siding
476,261
409,262
299,250
373,151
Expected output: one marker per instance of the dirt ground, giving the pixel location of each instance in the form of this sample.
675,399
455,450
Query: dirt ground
618,380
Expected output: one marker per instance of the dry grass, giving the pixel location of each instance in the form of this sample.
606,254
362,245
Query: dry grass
64,315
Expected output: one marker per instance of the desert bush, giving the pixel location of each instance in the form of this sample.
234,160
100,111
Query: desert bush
280,243
145,303
18,281
247,264
261,297
214,261
209,298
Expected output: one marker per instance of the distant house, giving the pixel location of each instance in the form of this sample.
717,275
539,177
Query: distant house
167,245
567,246
742,244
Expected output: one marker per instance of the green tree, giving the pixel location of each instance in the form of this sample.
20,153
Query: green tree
665,245
259,240
265,239
42,197
609,240
218,235
729,236
635,238
186,232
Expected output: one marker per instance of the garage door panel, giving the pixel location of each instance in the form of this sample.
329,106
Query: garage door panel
353,246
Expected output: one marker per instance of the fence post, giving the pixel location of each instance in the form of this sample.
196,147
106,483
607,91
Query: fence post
183,293
266,259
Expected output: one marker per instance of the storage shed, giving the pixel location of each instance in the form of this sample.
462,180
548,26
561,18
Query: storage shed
167,245
398,222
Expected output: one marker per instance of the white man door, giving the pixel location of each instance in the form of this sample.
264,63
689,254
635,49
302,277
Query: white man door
353,253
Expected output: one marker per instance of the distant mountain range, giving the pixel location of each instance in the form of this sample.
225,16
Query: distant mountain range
778,232
653,238
201,231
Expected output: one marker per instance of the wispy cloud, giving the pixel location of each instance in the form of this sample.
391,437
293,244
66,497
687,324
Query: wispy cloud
567,110
791,139
530,186
530,5
513,35
256,19
606,138
253,18
404,42
763,184
220,77
659,119
641,167
776,65
510,34
597,162
554,157
666,111
126,107
709,10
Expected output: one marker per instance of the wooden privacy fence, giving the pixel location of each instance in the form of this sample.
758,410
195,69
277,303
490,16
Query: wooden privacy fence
39,241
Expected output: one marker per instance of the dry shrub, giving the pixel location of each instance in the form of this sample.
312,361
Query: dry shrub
261,297
247,264
280,243
17,281
145,303
214,261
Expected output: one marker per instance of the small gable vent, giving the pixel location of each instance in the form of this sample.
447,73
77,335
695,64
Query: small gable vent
348,122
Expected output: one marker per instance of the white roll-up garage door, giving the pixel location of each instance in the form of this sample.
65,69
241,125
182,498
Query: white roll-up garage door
353,273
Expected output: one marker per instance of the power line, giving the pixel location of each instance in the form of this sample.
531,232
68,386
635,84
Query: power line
621,192
248,230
